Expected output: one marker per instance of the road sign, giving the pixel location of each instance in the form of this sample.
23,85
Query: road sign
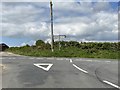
59,38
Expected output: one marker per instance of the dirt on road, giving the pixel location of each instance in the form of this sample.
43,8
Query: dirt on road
2,54
2,66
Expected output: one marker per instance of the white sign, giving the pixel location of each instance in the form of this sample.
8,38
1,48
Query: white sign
59,36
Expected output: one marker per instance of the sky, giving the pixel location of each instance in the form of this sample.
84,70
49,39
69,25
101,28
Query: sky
25,22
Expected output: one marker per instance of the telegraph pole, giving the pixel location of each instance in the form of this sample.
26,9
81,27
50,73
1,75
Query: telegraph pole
52,37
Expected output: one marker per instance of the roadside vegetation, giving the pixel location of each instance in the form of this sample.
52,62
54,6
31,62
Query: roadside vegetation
70,49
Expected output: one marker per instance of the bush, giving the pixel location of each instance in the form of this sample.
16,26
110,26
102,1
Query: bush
40,43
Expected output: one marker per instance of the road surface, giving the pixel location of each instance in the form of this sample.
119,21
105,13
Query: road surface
41,72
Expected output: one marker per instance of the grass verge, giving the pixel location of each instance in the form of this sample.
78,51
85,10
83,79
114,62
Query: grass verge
67,52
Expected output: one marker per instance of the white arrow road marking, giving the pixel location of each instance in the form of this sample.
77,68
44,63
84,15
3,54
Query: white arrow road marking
80,68
41,65
107,82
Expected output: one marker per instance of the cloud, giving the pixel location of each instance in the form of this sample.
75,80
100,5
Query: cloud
101,6
98,27
85,21
28,30
19,14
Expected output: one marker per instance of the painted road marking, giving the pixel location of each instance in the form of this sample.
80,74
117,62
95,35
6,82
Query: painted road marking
13,58
71,61
41,65
39,58
80,68
67,58
108,61
92,60
107,82
50,58
89,60
61,59
57,59
31,58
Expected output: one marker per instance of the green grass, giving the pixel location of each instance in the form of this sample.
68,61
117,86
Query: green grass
67,52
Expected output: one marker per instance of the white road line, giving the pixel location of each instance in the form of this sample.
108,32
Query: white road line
108,61
20,58
71,61
49,58
67,59
13,58
41,58
8,58
80,69
92,60
58,59
61,59
107,82
89,60
31,58
38,58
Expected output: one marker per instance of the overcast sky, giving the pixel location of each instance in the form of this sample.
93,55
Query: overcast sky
25,22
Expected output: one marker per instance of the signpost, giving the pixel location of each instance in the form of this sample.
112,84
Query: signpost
59,38
52,35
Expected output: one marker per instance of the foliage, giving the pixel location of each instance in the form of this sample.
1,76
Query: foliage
39,43
71,49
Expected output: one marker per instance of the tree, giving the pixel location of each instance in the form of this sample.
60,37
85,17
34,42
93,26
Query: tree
27,45
47,46
74,43
40,43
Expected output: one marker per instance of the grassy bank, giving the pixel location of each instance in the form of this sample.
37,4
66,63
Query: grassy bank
66,52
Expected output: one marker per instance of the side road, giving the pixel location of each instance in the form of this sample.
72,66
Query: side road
2,54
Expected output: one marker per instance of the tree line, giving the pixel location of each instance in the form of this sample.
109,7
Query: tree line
40,44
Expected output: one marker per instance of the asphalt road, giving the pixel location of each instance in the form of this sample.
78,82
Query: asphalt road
22,72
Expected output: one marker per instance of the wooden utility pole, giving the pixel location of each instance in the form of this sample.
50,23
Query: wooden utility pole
52,36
